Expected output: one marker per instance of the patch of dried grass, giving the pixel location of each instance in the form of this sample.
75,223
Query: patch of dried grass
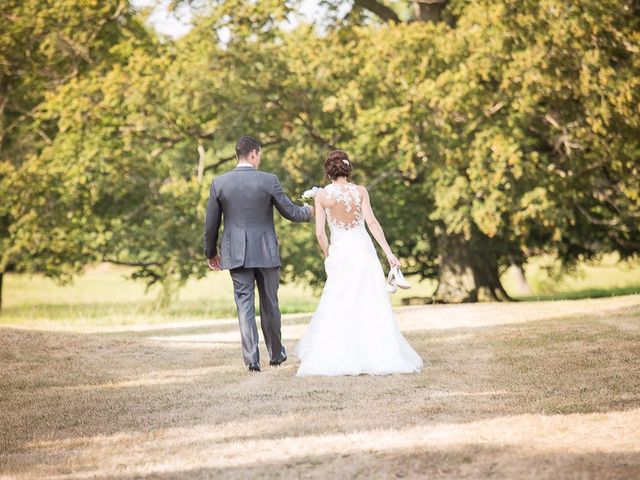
520,390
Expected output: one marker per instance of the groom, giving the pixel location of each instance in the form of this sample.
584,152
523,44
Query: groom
245,198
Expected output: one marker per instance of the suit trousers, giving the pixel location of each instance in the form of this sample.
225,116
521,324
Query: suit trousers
268,281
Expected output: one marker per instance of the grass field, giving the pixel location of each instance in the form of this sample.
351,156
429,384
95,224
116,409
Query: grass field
519,390
102,296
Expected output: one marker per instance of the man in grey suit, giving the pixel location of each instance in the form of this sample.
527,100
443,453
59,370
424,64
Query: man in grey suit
245,198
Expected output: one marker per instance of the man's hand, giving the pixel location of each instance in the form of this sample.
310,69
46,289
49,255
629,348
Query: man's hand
311,208
214,263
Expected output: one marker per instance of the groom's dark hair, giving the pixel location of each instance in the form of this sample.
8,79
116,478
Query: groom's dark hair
245,145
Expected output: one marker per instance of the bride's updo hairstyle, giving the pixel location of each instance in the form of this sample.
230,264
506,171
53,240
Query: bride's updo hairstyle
337,165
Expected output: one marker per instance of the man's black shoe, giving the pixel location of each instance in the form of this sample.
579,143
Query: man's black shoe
283,358
254,367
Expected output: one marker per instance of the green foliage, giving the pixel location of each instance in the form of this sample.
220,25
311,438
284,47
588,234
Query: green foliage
48,51
518,127
514,129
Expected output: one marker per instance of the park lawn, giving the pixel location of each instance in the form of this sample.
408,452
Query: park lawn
104,297
519,390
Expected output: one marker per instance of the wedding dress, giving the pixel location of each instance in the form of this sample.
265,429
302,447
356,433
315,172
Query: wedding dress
353,330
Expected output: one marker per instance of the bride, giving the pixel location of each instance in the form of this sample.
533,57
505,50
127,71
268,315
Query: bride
353,330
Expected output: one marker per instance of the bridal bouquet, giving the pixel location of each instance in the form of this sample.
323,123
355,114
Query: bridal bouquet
308,195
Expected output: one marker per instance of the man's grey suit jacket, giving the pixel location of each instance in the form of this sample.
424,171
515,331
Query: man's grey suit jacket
244,198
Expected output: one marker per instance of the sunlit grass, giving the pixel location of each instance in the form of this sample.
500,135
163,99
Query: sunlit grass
604,278
103,296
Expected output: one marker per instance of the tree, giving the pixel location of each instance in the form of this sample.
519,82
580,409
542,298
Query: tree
123,174
522,131
44,49
484,127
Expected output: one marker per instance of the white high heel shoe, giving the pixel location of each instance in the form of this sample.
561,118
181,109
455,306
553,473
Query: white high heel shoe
391,282
395,279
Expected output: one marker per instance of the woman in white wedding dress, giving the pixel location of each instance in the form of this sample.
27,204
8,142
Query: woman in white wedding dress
353,331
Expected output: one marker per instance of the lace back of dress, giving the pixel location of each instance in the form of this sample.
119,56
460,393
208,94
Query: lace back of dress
344,209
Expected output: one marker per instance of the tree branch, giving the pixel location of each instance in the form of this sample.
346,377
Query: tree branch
131,264
614,224
630,244
382,177
379,9
224,160
217,164
315,135
429,10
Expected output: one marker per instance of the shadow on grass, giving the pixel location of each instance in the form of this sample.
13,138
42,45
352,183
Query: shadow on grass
72,386
460,461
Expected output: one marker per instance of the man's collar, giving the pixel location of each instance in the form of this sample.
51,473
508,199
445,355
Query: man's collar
244,164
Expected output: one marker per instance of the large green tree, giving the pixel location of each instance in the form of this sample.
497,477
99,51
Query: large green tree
457,114
122,175
45,49
506,130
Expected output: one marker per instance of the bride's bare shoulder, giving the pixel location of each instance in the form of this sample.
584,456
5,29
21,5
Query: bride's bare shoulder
321,195
361,189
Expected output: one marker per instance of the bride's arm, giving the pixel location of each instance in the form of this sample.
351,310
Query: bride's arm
375,228
321,233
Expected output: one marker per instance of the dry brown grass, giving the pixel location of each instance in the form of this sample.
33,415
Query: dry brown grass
525,390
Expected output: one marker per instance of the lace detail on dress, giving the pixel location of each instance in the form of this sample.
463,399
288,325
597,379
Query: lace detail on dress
344,209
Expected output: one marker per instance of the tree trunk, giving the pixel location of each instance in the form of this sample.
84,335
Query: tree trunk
430,10
468,273
201,159
520,279
1,276
379,9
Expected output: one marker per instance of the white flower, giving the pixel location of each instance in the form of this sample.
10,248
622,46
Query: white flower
310,194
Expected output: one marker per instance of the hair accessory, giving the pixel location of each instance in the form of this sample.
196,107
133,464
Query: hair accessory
345,161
